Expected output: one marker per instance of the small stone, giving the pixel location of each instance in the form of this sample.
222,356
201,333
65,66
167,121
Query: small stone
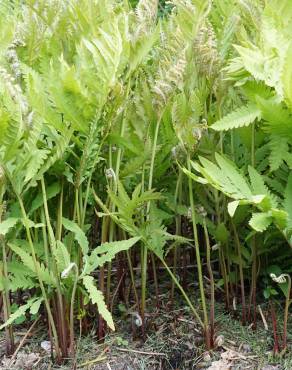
46,345
245,348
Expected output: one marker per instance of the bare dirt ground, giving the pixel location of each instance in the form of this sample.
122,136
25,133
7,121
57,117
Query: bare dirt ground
173,342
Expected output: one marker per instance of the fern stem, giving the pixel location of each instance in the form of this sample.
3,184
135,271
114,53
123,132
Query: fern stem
178,198
286,314
183,293
72,337
212,284
197,248
45,237
254,246
240,273
58,288
85,202
36,267
144,251
9,342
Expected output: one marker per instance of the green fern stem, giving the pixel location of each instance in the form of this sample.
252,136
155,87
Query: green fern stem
45,237
71,327
6,300
286,313
9,338
237,242
212,284
52,240
144,250
117,175
197,248
178,199
222,255
252,301
36,267
183,293
60,214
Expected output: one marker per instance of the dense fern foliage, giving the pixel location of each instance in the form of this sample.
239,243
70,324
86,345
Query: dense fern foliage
136,133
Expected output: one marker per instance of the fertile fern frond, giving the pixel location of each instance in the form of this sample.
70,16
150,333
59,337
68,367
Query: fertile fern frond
206,51
170,77
146,14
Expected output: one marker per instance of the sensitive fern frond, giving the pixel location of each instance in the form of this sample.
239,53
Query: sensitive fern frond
97,298
279,148
240,117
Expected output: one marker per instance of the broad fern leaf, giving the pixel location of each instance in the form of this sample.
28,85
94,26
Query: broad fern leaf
235,177
34,308
62,256
97,298
27,260
38,157
51,191
260,221
242,116
259,188
7,224
79,234
33,305
106,253
288,200
279,148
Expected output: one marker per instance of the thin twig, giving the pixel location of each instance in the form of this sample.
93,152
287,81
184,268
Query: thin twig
87,363
263,318
22,341
141,352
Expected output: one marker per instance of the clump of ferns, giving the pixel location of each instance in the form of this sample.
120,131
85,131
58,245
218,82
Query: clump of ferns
284,279
189,126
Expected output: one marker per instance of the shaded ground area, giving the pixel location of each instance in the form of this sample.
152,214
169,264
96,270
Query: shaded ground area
173,342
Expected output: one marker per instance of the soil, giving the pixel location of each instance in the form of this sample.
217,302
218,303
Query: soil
173,341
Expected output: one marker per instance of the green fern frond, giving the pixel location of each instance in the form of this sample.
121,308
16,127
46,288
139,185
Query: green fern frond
279,148
288,200
260,221
27,260
97,298
79,234
242,116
